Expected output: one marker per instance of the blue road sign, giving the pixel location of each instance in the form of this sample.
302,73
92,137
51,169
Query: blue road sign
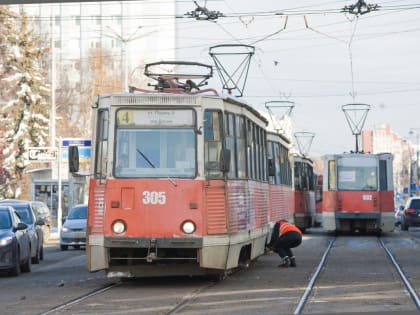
76,142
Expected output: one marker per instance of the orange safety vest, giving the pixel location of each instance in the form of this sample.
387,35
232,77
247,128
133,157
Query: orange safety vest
288,227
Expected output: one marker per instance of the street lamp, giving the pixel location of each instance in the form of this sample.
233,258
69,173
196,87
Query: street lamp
416,131
124,42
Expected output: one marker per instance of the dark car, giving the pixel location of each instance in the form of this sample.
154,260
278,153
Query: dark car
411,214
15,243
26,213
73,232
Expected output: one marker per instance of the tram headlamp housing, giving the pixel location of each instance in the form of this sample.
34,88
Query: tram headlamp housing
118,227
188,227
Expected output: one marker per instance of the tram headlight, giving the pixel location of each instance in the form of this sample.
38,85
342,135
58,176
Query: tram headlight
118,227
188,227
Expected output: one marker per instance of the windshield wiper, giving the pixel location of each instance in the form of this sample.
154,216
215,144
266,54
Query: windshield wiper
146,158
152,165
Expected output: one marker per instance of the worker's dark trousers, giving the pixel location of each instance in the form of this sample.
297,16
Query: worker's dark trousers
286,242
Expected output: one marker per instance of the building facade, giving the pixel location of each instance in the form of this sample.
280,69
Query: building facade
384,139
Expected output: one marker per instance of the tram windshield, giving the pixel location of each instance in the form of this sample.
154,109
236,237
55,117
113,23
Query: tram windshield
168,149
357,174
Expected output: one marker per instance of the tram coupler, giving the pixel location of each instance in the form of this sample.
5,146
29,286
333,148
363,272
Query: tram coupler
152,251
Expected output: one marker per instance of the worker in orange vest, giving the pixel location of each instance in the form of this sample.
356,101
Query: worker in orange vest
285,236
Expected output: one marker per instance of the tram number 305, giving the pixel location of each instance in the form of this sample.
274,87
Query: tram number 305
154,197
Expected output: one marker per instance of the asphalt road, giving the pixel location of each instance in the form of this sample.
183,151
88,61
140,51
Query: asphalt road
357,278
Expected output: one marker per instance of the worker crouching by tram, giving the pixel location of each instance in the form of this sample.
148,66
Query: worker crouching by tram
285,236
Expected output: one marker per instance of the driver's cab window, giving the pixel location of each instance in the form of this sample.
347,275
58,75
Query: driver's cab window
212,143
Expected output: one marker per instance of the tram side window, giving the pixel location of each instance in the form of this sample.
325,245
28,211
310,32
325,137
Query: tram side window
263,154
383,178
285,166
101,144
311,180
230,144
255,152
274,152
332,176
213,123
297,177
250,150
241,146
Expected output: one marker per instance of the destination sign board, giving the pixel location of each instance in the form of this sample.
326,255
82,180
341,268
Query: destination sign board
145,117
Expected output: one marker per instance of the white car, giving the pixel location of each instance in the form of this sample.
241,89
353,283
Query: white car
73,232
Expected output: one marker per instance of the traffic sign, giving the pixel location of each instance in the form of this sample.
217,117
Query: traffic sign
76,141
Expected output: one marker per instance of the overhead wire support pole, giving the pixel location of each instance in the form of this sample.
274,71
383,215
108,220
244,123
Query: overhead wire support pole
124,42
416,169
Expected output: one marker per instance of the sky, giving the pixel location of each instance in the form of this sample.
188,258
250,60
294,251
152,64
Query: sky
312,54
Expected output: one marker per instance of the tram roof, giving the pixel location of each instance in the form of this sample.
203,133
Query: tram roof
224,97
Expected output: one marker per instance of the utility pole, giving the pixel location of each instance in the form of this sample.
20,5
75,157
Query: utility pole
124,42
416,131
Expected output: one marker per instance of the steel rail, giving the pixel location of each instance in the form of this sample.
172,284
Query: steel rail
188,298
80,299
310,286
401,273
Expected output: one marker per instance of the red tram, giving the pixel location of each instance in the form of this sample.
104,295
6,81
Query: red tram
358,193
180,181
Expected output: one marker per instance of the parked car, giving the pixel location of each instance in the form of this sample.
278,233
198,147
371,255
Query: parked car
73,232
397,215
15,248
411,213
41,211
24,209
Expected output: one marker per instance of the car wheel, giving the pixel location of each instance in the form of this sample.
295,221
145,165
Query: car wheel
64,247
15,271
26,267
36,258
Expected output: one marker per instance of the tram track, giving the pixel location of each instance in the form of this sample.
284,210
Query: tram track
80,299
184,301
198,295
315,278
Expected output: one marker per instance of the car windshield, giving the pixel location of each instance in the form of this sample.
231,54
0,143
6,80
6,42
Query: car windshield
78,213
5,222
24,213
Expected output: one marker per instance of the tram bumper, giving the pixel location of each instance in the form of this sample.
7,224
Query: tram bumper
358,221
139,257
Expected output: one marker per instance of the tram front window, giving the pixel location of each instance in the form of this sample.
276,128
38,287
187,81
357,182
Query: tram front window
357,178
142,153
357,173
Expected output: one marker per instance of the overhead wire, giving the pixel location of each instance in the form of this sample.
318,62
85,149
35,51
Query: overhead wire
275,14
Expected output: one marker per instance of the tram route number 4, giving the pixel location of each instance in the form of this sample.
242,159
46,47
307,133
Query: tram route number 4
154,197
